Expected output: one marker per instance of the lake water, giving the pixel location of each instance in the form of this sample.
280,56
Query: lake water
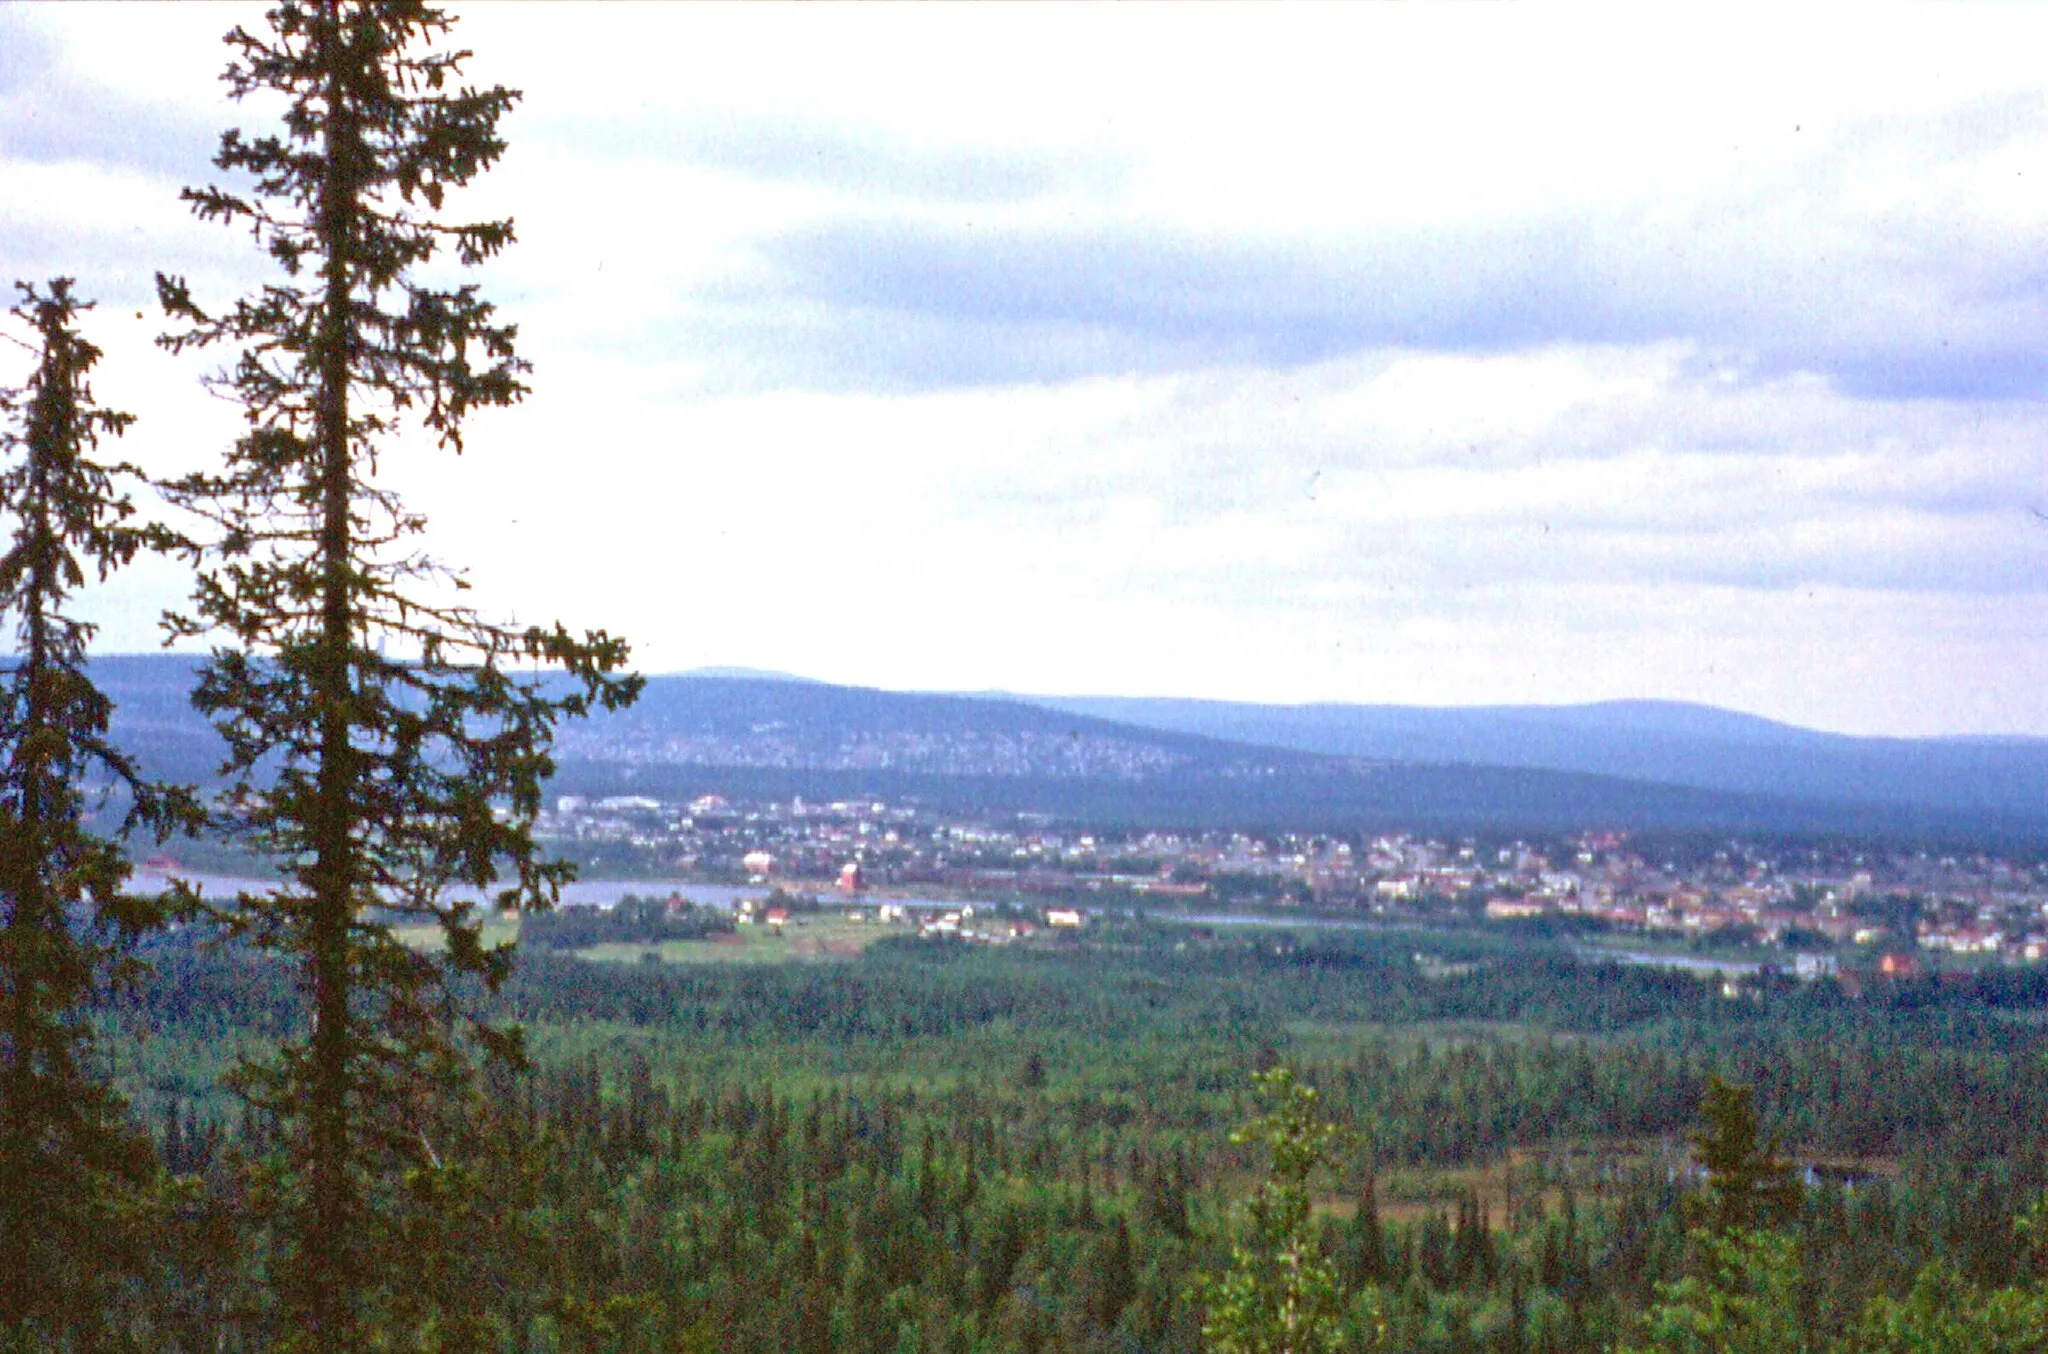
1691,963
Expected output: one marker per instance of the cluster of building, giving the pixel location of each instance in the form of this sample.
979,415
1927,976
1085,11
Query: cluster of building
997,924
780,745
1802,896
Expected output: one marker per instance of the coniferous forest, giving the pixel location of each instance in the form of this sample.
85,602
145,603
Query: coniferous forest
346,1113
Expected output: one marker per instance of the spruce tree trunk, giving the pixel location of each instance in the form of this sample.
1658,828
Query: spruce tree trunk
334,877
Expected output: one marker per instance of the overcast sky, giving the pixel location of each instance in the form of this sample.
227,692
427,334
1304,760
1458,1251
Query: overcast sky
1410,354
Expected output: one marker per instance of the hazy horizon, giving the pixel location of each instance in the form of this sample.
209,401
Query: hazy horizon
741,672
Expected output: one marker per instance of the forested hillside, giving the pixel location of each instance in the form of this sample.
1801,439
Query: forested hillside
941,1147
773,738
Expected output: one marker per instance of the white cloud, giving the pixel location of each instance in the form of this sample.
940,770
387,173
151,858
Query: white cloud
1322,352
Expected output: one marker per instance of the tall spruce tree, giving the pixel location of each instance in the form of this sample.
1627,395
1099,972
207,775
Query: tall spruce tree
70,1160
388,746
1748,1183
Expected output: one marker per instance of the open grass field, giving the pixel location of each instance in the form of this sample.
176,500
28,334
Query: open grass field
497,930
822,937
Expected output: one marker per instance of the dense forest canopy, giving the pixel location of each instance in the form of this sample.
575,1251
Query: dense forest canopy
1031,1147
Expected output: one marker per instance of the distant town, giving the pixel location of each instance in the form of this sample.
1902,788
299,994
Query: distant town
1820,907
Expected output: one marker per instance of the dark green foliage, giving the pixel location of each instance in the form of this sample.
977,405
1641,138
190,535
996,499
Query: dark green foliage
383,751
632,921
1743,1302
1748,1185
830,1156
71,1166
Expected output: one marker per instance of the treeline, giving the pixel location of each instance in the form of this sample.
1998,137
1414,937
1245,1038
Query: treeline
631,921
1556,1050
950,1147
628,1203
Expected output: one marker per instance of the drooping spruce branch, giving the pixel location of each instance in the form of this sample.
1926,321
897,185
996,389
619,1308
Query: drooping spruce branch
68,1155
387,745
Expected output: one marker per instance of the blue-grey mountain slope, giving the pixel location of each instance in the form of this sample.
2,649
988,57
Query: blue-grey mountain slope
1663,741
1307,767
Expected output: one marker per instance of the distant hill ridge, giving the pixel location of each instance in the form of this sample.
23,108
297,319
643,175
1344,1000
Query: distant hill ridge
1625,763
1669,742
